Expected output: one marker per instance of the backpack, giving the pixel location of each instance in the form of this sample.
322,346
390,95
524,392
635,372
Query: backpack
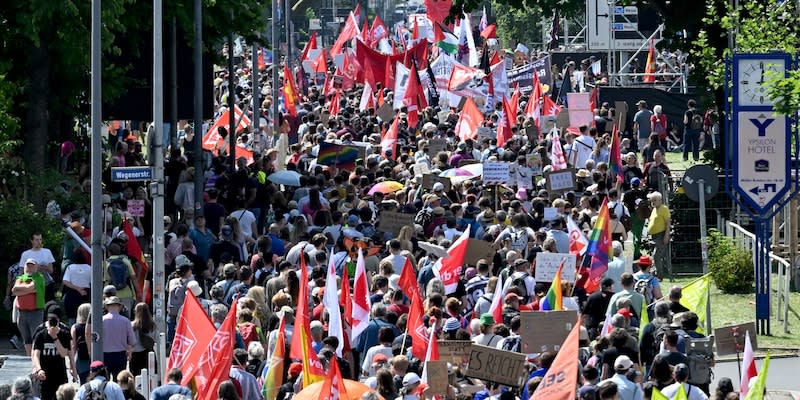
644,288
249,333
696,122
519,239
146,341
177,296
118,272
95,394
519,282
512,344
643,209
701,358
423,218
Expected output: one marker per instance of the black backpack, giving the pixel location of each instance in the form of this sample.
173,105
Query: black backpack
696,122
95,394
519,282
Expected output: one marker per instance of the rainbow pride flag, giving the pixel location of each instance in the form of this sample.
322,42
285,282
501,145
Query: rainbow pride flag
337,155
272,376
554,300
600,244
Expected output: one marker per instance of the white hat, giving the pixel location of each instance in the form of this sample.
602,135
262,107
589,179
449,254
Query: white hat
521,48
194,287
438,187
623,363
411,378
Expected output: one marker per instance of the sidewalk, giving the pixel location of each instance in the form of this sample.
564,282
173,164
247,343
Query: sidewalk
14,362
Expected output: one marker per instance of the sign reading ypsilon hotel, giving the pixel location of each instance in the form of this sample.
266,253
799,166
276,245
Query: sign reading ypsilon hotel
761,168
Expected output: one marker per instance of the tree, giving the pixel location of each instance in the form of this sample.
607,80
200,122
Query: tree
517,25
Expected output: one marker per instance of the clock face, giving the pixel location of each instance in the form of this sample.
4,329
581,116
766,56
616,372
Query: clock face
752,77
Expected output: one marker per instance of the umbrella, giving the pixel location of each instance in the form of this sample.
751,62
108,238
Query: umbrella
386,187
454,172
475,169
286,177
354,390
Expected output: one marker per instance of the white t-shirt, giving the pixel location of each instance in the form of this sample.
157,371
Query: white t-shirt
246,221
79,275
583,147
42,256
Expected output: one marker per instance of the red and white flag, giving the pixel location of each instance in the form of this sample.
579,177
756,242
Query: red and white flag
310,45
361,304
449,267
348,33
389,140
577,240
215,363
414,98
367,100
549,107
496,307
557,159
333,387
416,328
193,334
331,301
533,109
749,370
212,137
469,121
378,31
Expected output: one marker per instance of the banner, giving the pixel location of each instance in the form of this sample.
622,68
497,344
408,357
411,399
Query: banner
523,76
377,61
442,69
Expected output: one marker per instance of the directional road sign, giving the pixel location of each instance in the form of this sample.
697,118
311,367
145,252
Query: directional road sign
761,164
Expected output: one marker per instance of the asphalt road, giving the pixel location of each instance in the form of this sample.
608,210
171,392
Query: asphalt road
782,373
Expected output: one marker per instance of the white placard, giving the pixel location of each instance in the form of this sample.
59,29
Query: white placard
550,213
547,265
495,172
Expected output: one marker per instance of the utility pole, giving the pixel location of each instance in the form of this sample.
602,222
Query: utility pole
97,188
231,105
173,85
276,59
198,107
256,107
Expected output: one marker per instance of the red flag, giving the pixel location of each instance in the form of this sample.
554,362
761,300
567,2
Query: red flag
414,98
367,100
438,10
408,279
650,67
335,105
389,139
532,109
549,107
557,158
415,31
388,73
141,267
514,102
378,31
350,70
563,373
215,363
490,32
380,100
361,305
310,45
193,334
320,64
367,74
347,316
504,127
348,33
301,337
211,140
615,157
261,63
333,388
594,99
469,121
449,270
748,368
289,92
416,328
365,31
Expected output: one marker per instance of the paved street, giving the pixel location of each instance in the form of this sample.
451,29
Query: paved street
781,373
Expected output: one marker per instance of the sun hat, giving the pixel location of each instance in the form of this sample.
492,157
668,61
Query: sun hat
487,319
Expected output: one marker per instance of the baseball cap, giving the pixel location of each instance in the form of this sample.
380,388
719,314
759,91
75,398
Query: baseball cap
30,261
438,187
623,363
645,260
379,358
110,290
511,297
410,379
625,313
636,182
183,263
96,366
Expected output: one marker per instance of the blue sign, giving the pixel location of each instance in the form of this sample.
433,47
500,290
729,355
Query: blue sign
131,174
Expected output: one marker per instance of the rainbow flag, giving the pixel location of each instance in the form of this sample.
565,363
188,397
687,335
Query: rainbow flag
554,300
338,155
272,376
600,244
615,158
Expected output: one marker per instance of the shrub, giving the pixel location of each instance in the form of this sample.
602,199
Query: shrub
731,267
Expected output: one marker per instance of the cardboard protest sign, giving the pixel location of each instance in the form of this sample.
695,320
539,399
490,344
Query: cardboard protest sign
436,145
477,249
545,330
561,180
455,352
136,208
394,221
420,169
462,163
493,365
485,133
534,161
730,339
547,265
429,179
385,112
495,172
561,379
437,376
563,119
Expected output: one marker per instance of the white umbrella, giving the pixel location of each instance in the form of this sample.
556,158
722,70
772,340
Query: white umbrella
475,169
286,177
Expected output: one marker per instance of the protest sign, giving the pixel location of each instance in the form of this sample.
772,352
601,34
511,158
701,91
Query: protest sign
621,116
455,352
394,221
429,179
580,112
420,169
495,172
563,119
485,133
547,265
545,330
477,249
561,379
136,208
730,339
437,376
435,146
534,161
561,180
493,365
385,112
550,213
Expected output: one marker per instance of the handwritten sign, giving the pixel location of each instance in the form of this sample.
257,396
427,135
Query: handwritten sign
485,133
547,265
495,172
493,365
545,331
420,169
550,213
429,179
455,352
727,343
435,146
136,208
561,180
394,221
477,249
437,376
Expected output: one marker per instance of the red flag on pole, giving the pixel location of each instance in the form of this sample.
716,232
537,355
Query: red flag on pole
416,328
289,92
333,387
450,266
389,140
469,121
348,33
414,98
193,334
141,267
650,67
490,32
361,304
320,64
310,45
215,362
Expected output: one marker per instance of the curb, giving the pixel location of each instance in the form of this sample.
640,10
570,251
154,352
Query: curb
783,353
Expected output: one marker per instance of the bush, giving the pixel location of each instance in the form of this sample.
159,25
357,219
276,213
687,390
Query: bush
730,266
